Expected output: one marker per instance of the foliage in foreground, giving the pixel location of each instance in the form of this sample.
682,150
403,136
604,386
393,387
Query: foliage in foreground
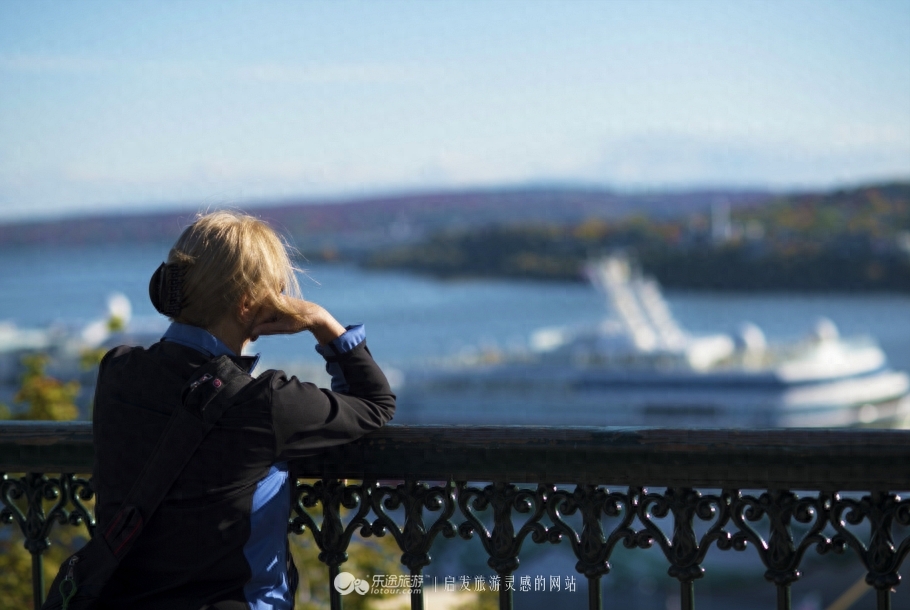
45,398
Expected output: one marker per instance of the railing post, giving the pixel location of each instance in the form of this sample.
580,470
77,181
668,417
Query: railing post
783,597
687,595
883,598
38,579
595,597
417,589
334,594
506,589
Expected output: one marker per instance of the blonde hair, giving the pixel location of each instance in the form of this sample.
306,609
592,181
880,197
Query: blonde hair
225,256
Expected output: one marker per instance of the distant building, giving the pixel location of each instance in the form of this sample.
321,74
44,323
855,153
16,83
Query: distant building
721,228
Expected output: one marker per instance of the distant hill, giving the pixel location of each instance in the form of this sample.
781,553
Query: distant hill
362,224
844,240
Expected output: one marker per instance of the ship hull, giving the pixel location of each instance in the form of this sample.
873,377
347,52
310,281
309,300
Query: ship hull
542,395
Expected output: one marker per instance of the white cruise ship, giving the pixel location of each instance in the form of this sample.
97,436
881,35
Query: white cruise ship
639,367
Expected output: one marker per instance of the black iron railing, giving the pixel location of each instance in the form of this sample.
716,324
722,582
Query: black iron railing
588,487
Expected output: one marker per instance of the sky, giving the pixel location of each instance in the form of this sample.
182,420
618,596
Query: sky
120,106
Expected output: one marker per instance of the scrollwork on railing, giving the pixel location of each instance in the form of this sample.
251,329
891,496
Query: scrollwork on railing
502,544
35,503
684,550
591,546
781,553
332,536
24,499
413,537
880,557
79,490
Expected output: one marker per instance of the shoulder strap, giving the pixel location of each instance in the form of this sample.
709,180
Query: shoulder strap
205,397
220,378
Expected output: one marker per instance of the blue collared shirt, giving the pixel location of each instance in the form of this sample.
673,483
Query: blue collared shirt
200,340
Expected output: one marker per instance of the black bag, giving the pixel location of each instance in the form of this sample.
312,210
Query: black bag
82,577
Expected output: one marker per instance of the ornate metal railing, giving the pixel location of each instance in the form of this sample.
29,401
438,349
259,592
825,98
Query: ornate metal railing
541,480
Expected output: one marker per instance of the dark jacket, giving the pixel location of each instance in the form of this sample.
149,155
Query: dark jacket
190,553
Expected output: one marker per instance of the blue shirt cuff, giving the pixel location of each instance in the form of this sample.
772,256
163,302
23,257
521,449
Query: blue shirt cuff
352,337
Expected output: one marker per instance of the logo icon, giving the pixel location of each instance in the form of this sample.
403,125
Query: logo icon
346,582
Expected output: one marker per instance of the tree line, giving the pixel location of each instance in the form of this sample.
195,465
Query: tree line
855,240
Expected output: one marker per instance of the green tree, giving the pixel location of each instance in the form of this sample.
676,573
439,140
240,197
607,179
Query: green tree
44,398
47,398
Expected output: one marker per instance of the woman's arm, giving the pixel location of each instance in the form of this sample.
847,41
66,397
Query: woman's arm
307,418
304,316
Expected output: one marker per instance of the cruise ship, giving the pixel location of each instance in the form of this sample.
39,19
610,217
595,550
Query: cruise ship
639,367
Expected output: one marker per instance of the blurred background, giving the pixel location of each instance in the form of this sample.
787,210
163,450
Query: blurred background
585,194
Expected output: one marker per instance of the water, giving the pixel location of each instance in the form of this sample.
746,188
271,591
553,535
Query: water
411,319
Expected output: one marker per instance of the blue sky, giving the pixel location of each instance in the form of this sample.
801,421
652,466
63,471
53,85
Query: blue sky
137,105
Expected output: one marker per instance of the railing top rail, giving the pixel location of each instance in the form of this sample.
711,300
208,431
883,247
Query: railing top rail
826,459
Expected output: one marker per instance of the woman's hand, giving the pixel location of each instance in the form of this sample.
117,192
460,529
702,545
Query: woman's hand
305,316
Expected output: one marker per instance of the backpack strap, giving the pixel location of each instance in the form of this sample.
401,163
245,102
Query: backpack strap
205,396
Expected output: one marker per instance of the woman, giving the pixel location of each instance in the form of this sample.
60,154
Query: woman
219,538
